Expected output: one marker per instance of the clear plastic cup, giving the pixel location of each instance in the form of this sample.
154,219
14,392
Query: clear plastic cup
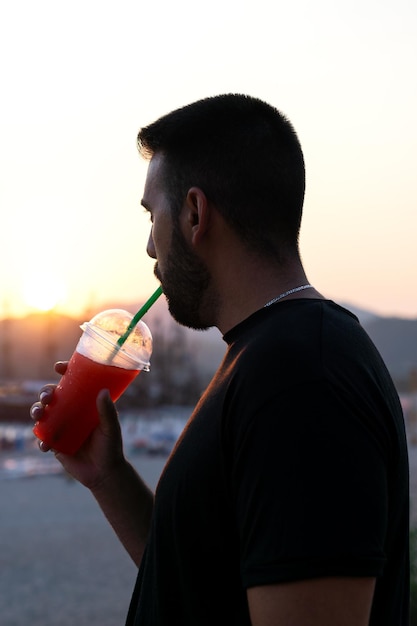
98,362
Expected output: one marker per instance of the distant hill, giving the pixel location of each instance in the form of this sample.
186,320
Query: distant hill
30,346
396,339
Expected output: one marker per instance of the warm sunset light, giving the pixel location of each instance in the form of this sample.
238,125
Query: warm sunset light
72,179
43,296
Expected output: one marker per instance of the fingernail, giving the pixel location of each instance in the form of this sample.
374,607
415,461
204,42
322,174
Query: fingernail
43,395
35,410
43,447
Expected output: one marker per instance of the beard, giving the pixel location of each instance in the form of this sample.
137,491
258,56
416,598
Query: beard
185,283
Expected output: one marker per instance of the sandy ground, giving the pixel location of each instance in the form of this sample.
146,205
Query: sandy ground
60,563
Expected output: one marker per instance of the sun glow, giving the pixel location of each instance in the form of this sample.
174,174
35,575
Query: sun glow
43,296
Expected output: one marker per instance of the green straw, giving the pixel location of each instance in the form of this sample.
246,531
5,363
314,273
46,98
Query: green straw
134,321
138,315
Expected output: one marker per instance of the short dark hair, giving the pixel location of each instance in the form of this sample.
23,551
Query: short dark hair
246,157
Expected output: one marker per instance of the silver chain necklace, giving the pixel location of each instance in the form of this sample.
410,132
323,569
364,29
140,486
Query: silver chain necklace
287,293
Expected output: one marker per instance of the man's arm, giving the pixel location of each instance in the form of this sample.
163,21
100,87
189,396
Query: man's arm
317,602
127,504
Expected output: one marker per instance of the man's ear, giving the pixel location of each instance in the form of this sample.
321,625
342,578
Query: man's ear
197,214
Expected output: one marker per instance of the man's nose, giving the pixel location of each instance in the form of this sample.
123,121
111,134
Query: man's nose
150,248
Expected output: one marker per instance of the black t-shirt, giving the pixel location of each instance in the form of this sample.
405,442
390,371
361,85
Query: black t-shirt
293,466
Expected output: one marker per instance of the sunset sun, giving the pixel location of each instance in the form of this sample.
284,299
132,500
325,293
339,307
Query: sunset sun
43,296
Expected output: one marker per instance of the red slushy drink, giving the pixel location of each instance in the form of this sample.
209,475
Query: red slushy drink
96,364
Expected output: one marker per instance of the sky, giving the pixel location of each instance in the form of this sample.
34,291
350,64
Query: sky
78,80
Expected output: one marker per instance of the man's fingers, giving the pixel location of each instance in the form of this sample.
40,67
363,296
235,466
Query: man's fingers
36,411
46,393
61,367
43,447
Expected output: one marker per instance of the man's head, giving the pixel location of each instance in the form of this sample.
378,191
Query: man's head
245,156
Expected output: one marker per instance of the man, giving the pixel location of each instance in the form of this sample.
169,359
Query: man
285,500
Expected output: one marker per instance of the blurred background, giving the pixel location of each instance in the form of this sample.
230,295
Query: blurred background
78,80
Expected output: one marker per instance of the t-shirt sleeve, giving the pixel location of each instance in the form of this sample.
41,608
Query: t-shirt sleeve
309,482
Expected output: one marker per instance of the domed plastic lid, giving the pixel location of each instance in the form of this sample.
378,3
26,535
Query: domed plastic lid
105,328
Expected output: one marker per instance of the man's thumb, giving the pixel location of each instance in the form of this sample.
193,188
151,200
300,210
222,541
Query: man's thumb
107,412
